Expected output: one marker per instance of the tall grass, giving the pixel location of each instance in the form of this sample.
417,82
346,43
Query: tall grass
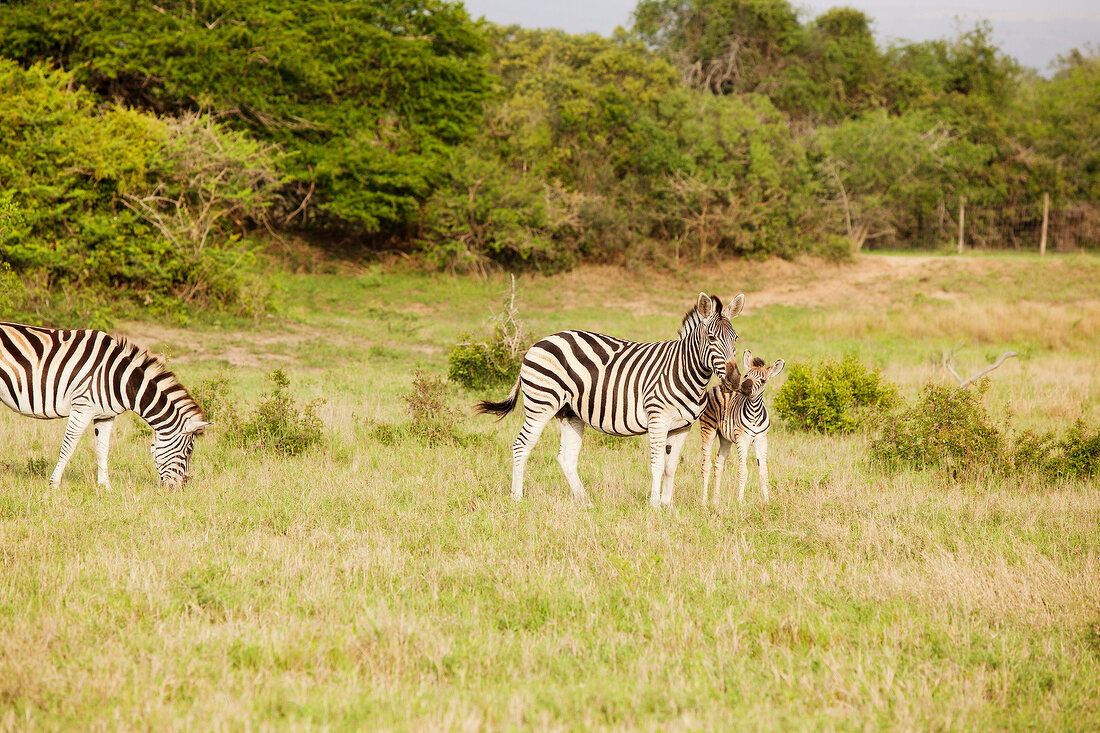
392,585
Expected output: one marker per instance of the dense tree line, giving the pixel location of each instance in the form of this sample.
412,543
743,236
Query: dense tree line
146,144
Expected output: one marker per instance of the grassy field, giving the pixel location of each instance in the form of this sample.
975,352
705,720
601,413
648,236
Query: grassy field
378,586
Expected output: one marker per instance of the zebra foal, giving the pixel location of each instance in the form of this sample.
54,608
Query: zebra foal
92,378
622,388
736,413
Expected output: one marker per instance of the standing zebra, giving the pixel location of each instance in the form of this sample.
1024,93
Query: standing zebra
621,387
736,412
93,377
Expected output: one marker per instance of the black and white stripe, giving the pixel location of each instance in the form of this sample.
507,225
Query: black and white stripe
736,413
621,387
92,377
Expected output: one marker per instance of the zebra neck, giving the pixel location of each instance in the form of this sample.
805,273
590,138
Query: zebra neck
751,410
159,398
697,371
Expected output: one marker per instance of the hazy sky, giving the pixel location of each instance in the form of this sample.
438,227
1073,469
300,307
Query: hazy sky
1032,31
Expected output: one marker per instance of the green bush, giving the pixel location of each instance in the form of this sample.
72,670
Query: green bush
946,428
116,199
277,424
494,361
368,98
834,396
432,420
212,395
1076,455
483,364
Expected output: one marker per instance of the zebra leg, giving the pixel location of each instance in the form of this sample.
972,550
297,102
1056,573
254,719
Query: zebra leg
707,434
720,465
102,440
743,442
74,428
658,438
533,424
762,460
572,434
676,440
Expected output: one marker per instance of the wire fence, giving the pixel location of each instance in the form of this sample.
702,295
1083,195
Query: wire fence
1041,226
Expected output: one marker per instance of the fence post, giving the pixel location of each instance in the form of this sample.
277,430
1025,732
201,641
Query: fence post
962,221
1043,235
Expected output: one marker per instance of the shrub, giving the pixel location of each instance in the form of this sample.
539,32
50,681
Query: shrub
834,396
946,427
1075,456
277,424
492,361
212,395
432,419
118,199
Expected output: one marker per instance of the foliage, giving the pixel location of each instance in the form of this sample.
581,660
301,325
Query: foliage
366,97
890,172
487,213
947,427
212,395
630,162
277,424
432,420
493,361
1076,455
825,70
834,396
89,183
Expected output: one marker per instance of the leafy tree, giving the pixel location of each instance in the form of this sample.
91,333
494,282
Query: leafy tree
724,46
892,174
366,97
71,167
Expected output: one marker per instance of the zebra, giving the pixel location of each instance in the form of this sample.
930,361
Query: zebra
621,388
93,377
736,413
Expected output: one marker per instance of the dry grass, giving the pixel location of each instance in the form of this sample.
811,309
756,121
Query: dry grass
378,586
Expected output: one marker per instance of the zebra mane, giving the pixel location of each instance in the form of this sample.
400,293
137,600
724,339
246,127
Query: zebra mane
692,318
154,365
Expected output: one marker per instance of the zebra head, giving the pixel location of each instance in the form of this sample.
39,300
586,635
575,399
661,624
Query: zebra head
721,343
757,374
172,452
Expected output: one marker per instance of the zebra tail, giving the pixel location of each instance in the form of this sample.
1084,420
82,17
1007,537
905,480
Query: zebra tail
502,408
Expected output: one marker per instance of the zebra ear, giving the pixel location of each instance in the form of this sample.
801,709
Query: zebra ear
775,368
746,356
195,427
734,307
705,306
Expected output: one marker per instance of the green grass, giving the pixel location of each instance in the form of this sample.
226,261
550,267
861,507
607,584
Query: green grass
386,584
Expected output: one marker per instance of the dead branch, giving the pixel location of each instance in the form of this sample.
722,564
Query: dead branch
964,383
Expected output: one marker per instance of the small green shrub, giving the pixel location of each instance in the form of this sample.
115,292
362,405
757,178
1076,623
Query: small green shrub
946,428
493,361
483,364
212,395
277,424
834,396
431,418
1074,456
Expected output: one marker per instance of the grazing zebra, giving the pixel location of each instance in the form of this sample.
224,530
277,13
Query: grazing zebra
736,413
93,377
621,387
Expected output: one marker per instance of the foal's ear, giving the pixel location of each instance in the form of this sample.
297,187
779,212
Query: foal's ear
733,308
775,368
705,306
746,356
